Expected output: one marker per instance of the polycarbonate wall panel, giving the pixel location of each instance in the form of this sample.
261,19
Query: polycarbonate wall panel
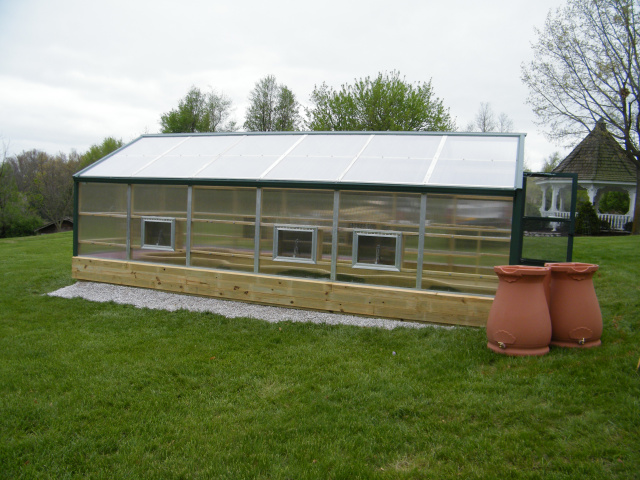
102,198
370,212
302,208
223,228
164,202
102,220
465,237
102,236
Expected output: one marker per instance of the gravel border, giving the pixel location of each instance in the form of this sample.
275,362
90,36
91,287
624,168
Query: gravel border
158,300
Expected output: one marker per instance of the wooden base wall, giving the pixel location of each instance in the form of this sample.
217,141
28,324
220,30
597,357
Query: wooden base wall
384,302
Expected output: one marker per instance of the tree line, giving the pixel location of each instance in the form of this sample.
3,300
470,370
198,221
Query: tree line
586,67
387,102
36,188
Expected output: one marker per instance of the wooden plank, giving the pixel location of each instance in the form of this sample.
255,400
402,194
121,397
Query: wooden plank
358,299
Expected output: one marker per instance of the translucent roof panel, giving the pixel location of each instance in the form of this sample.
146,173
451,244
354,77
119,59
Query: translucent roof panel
209,146
403,159
503,149
134,157
476,161
175,166
474,173
388,170
321,169
237,167
337,146
407,158
402,146
263,145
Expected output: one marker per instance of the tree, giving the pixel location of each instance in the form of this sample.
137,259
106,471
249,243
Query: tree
287,111
46,182
586,67
199,112
486,121
551,162
98,151
614,202
505,124
53,188
16,216
385,103
272,107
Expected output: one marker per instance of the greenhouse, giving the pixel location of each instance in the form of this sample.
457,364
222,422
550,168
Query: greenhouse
398,225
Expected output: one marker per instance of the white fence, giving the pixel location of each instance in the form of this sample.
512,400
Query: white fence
617,222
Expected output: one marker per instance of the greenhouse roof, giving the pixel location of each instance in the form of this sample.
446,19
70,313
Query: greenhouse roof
407,158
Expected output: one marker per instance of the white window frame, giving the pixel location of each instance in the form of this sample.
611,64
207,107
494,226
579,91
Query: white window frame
357,234
293,228
169,220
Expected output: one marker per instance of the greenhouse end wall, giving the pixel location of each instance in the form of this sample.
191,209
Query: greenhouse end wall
444,242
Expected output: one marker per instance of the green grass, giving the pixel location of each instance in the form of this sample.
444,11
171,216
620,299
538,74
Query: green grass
110,391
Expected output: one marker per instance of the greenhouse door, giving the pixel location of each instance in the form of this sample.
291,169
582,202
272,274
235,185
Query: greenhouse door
547,218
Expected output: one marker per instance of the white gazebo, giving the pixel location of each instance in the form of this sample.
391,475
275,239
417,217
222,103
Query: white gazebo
602,166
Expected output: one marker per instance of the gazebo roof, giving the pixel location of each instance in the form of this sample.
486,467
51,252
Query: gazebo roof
599,157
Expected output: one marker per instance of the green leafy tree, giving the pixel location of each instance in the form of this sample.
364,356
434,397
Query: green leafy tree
100,150
614,202
287,111
17,218
199,112
272,107
385,103
586,67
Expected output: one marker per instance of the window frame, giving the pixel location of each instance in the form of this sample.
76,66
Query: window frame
292,228
377,233
169,220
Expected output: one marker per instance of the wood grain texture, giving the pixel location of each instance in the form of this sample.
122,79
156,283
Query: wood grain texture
357,299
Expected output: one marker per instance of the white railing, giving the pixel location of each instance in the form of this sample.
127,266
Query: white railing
617,222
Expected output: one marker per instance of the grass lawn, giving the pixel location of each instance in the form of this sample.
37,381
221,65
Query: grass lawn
110,391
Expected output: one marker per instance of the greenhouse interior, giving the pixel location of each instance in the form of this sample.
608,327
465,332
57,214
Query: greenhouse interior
418,213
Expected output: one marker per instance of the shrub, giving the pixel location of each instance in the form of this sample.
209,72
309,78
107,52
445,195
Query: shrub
587,221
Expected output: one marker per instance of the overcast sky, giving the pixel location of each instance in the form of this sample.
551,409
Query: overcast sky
75,71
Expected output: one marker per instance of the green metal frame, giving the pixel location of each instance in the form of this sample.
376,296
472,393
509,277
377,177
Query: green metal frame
516,192
519,218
